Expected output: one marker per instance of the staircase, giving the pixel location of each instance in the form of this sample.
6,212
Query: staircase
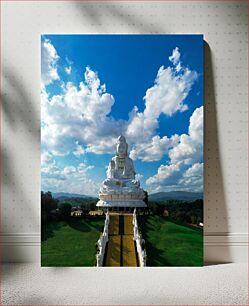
121,251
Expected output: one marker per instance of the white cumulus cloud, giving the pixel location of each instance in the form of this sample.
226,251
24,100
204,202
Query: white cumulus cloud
68,70
184,170
154,149
190,147
167,96
175,57
49,59
165,173
73,179
77,120
192,179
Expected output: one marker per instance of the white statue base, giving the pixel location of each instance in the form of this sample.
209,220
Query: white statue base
121,203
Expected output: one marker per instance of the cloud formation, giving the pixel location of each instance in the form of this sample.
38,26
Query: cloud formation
171,87
77,120
185,168
154,149
73,179
50,58
68,70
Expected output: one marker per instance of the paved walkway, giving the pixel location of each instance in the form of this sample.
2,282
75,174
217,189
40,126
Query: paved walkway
121,249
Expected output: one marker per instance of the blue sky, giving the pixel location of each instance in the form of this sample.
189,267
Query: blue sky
160,75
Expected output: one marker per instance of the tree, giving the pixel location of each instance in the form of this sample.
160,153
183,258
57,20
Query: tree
65,209
146,198
48,203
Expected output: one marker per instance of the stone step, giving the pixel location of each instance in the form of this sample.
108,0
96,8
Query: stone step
129,253
113,252
128,226
121,248
114,225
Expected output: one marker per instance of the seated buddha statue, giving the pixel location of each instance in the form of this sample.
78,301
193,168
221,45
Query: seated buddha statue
120,172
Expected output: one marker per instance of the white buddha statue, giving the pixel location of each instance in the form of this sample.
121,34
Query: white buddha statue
120,172
120,188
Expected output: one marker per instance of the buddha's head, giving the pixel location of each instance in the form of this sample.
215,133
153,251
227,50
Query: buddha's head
122,147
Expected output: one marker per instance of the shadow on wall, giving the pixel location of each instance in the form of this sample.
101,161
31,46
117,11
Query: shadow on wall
122,16
18,108
19,115
215,210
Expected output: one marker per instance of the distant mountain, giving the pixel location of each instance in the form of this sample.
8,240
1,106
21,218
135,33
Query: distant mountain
176,195
66,195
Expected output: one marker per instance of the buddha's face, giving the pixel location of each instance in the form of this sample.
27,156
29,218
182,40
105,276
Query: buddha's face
121,148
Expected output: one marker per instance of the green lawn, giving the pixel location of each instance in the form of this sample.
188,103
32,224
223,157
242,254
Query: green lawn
171,244
70,243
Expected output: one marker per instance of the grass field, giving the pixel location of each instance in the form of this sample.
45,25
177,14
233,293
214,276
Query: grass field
70,243
171,244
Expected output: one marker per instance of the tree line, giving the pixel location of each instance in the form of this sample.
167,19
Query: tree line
182,211
55,209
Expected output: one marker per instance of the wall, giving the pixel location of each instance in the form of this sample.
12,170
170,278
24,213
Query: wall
224,25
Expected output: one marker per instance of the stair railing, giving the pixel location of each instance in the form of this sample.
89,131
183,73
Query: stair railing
102,242
139,241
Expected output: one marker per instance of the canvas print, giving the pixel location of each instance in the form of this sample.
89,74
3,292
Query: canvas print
121,150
